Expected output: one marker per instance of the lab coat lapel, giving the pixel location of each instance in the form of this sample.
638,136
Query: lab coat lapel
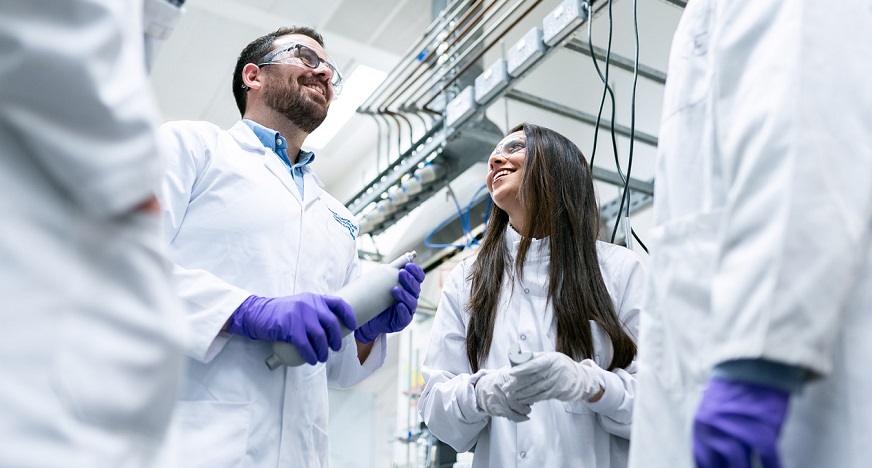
274,164
246,138
313,188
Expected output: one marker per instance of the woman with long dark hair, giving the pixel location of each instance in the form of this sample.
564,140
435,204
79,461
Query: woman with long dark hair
542,281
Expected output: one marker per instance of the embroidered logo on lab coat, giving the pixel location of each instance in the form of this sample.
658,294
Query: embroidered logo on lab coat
346,223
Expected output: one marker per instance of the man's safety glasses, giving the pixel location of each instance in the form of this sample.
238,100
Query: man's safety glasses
298,53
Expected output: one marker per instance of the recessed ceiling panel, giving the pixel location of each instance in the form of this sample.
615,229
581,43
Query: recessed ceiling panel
406,28
360,19
196,63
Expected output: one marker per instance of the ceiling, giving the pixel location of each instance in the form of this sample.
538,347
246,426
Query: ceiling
193,70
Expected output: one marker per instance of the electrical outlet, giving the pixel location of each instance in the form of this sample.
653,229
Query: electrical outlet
461,107
525,52
562,21
491,81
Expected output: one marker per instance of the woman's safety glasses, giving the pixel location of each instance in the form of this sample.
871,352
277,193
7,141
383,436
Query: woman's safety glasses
298,53
510,145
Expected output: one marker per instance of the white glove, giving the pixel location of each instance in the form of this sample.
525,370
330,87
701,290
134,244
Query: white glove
490,396
552,375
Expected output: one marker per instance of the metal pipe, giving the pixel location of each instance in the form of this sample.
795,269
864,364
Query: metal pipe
500,22
378,142
435,27
429,72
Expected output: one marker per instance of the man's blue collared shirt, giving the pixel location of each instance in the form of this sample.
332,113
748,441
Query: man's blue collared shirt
279,145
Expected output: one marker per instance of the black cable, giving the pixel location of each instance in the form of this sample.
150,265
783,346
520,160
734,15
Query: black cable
625,196
606,88
641,244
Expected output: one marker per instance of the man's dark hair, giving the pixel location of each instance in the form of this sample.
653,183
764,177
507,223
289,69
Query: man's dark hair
256,50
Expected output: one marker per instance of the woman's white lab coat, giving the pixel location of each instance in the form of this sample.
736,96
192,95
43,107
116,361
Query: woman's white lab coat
558,434
91,330
763,214
236,227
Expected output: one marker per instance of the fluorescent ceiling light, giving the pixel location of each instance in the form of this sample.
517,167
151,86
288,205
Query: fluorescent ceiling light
356,89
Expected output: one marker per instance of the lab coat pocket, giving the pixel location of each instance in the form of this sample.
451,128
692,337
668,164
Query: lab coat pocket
211,433
677,323
689,78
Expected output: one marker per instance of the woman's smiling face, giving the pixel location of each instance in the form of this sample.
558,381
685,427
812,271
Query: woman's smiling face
506,171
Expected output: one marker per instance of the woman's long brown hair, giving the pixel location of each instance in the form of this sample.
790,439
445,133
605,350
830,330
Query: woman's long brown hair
557,187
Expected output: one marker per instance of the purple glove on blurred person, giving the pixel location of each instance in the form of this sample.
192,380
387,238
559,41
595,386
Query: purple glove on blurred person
738,422
310,322
399,315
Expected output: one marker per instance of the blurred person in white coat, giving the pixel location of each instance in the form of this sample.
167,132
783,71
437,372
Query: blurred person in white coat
259,246
543,281
92,332
756,333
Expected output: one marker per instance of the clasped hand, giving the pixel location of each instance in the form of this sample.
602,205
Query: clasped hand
553,375
509,392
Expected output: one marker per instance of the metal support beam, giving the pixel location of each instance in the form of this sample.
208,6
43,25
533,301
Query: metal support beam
614,178
609,214
624,63
590,119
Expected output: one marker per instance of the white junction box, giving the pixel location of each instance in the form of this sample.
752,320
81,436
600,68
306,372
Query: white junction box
491,81
562,21
525,52
461,107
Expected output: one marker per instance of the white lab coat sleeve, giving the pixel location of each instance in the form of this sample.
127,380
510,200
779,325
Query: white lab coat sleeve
93,131
210,300
344,369
798,201
615,406
447,404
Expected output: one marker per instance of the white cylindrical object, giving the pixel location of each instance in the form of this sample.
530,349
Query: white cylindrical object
399,197
365,225
412,186
368,296
429,173
386,207
516,356
375,216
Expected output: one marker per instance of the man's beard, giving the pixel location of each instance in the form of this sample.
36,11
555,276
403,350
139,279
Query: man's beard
300,111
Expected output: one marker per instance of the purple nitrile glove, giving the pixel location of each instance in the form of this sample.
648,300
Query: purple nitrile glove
399,315
308,321
739,422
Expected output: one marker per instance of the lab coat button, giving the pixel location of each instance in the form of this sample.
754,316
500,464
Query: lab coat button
523,337
523,454
526,291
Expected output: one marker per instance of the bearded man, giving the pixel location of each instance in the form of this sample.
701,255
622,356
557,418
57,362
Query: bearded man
258,246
